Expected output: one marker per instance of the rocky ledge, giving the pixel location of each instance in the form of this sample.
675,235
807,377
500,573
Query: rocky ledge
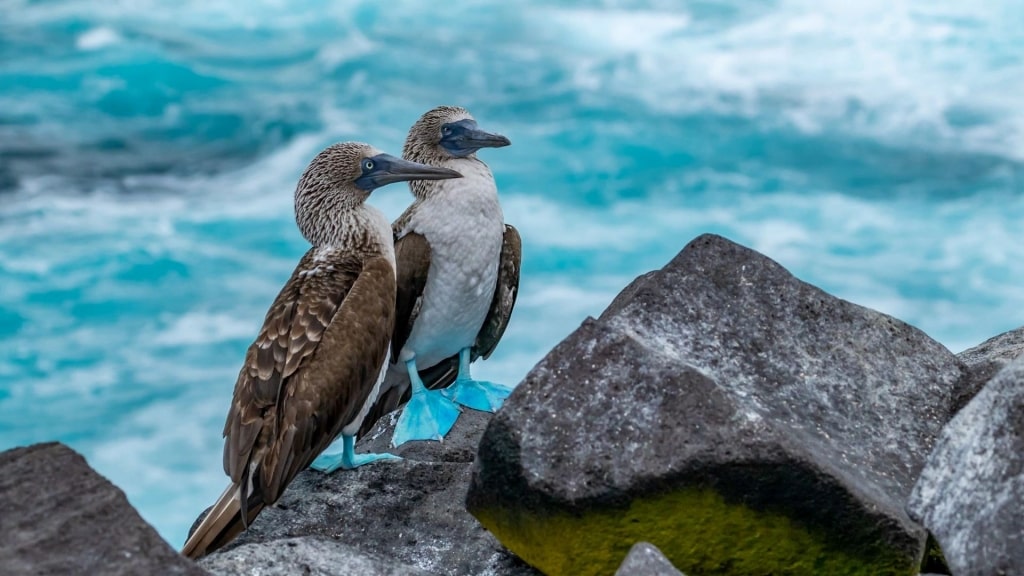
59,517
720,417
398,517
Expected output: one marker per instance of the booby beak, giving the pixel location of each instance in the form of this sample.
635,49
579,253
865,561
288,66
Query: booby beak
386,169
463,138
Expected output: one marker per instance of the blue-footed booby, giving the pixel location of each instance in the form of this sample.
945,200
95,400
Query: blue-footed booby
319,359
458,274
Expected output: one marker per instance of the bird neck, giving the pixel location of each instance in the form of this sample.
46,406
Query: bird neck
337,223
476,177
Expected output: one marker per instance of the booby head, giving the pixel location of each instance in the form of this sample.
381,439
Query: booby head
342,176
449,131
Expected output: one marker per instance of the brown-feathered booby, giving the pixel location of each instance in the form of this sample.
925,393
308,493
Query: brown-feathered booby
458,275
319,359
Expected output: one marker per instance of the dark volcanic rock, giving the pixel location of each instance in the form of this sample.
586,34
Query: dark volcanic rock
411,512
309,556
58,516
985,360
742,421
971,493
645,559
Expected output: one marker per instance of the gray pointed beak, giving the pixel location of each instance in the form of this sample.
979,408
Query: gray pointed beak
464,137
480,139
388,169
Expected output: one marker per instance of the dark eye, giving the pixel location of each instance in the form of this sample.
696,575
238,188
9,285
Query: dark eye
367,164
446,131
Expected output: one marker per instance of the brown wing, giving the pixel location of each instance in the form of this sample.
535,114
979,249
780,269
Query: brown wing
310,369
505,292
412,259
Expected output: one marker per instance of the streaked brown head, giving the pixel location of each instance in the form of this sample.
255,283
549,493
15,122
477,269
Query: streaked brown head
343,175
448,132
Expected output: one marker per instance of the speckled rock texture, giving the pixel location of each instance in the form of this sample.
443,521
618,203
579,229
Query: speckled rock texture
411,512
971,493
644,559
59,517
308,556
985,360
742,421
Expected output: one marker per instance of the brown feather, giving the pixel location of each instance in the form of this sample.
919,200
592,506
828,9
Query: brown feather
505,292
308,373
222,523
412,259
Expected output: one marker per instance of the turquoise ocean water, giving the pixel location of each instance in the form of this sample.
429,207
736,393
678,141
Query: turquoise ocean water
149,150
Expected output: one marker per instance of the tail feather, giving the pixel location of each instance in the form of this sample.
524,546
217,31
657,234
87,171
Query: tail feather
221,525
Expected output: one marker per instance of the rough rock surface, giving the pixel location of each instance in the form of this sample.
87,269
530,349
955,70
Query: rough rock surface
985,360
309,556
58,516
411,512
737,418
644,559
971,493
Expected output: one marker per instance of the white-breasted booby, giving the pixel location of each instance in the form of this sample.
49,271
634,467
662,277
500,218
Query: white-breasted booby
317,363
458,275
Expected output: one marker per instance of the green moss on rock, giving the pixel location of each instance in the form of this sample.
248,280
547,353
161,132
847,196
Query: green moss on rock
934,561
696,529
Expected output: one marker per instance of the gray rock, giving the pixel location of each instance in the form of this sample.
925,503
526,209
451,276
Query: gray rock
411,512
971,493
644,559
737,418
627,293
309,556
985,360
58,516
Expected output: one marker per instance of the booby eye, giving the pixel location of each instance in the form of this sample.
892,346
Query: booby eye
446,131
367,164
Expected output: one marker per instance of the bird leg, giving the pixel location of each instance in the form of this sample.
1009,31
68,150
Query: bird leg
429,415
347,459
475,394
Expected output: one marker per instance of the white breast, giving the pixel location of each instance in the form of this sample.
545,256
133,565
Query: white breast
464,225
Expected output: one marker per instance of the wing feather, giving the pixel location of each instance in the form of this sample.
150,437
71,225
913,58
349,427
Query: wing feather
412,258
305,376
505,291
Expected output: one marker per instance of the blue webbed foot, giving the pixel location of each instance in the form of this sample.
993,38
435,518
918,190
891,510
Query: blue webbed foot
427,416
347,458
477,394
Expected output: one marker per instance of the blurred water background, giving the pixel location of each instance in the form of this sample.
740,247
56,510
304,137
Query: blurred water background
149,151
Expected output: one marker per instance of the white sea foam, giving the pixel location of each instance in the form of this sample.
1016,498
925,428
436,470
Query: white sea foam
189,15
879,68
96,38
204,327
